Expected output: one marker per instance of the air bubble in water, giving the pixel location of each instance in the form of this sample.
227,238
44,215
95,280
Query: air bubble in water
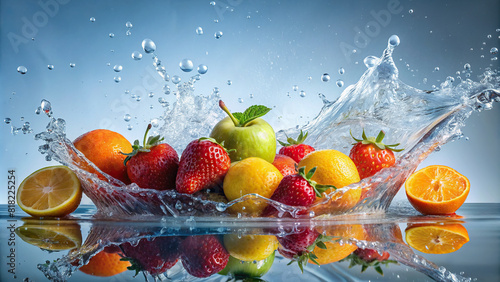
72,65
117,79
136,56
130,127
251,96
50,67
340,83
129,25
148,45
92,19
127,117
489,36
199,30
295,87
229,82
117,68
22,69
394,40
7,120
371,61
302,93
212,3
202,69
111,35
218,34
466,67
128,33
240,100
410,11
436,69
494,50
151,94
325,77
341,70
176,79
186,65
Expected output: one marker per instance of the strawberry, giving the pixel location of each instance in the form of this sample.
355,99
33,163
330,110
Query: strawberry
295,149
203,164
285,164
152,165
155,256
297,190
203,255
369,258
370,155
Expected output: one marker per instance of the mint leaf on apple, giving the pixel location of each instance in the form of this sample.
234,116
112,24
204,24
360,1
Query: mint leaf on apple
251,113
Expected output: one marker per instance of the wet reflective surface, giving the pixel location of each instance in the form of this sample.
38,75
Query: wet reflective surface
401,244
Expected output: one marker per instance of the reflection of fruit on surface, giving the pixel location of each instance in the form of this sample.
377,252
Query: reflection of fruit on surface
153,165
369,258
105,264
436,238
52,237
334,250
244,269
203,165
251,175
203,256
437,189
104,148
250,247
337,169
371,155
246,133
285,164
295,149
53,191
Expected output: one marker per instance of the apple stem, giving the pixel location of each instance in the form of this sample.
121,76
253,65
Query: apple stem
225,109
146,135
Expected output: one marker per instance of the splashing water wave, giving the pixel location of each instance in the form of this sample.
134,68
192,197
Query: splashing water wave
420,120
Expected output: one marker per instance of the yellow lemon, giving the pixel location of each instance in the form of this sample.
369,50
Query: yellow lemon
337,169
250,247
53,191
251,175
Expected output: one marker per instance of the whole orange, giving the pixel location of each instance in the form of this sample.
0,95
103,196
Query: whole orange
104,148
105,264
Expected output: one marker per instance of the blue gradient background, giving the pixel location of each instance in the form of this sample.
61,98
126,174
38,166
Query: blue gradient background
267,47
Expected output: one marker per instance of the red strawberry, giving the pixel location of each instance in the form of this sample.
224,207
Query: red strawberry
203,164
297,190
203,256
369,258
285,164
155,256
152,165
294,148
370,155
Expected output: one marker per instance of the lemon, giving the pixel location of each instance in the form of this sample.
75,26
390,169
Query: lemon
251,175
52,237
50,192
337,169
250,247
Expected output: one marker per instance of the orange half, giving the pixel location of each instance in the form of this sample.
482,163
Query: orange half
437,190
436,238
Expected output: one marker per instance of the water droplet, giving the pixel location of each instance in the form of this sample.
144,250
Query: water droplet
129,25
199,30
166,90
117,79
22,69
136,56
117,68
229,82
436,69
7,120
309,78
186,65
50,67
218,34
202,69
111,35
325,77
151,94
340,83
295,87
127,117
128,33
466,67
216,21
176,79
494,58
240,100
489,36
371,61
410,11
494,50
215,90
250,95
130,127
212,3
341,70
72,65
154,122
394,40
46,107
148,45
302,93
92,19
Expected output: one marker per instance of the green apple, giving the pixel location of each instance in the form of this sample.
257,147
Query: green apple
246,134
244,269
